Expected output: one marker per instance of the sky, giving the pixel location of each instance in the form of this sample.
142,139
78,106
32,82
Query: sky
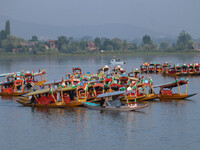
166,16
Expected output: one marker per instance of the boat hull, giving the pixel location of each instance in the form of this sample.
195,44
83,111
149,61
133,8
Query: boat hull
175,96
13,94
26,102
149,97
122,108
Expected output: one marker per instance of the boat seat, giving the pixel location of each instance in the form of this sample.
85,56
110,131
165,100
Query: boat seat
66,98
167,92
43,100
51,98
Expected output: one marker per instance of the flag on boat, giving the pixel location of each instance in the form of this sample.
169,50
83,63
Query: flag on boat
85,87
50,89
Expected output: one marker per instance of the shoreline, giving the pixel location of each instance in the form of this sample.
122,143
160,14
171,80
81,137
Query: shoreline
117,53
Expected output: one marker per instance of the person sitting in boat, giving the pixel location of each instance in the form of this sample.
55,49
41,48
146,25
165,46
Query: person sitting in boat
33,101
102,102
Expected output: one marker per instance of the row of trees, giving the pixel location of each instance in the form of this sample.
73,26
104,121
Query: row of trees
184,42
8,43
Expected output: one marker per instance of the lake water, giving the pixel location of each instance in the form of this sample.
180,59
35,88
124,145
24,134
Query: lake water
166,125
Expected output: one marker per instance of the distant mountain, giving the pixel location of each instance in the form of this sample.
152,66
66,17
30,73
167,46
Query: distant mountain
123,31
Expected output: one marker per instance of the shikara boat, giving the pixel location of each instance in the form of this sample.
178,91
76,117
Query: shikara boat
144,67
151,67
50,97
166,90
13,88
158,67
111,101
197,68
185,70
191,69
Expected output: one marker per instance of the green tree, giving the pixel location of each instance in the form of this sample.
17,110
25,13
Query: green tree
124,45
164,45
3,35
62,43
117,44
146,39
83,45
107,44
97,42
148,44
132,46
7,27
34,38
183,41
11,42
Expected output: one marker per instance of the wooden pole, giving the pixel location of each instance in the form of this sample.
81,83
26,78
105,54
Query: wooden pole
179,89
186,89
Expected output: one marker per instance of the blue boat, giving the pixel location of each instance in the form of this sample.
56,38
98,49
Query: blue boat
111,101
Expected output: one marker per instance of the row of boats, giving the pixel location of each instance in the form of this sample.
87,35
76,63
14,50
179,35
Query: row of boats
167,69
106,90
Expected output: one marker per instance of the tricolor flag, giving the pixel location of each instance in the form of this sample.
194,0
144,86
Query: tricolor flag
32,73
85,87
50,89
72,80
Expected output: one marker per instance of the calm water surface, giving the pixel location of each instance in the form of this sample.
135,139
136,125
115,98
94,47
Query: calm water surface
166,125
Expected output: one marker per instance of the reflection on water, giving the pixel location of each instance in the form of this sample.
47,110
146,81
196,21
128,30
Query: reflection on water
165,124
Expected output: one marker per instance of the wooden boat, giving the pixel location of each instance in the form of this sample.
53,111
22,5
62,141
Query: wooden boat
185,70
158,67
151,67
13,88
178,70
110,101
169,72
50,97
43,98
165,67
197,68
144,67
166,90
191,69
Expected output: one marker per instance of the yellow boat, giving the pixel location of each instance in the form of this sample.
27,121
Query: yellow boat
48,97
13,88
166,90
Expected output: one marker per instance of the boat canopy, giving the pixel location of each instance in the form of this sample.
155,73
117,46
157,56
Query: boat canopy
111,94
53,82
172,85
6,83
47,90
